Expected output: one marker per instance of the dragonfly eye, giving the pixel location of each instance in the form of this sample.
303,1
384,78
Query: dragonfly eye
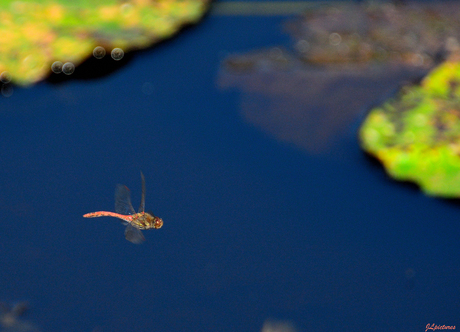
158,223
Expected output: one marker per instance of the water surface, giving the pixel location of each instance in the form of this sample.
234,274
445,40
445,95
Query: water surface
256,227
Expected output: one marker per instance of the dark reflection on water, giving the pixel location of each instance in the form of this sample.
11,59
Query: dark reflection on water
255,231
345,57
309,106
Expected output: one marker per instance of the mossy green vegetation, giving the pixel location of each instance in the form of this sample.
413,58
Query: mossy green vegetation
37,33
416,135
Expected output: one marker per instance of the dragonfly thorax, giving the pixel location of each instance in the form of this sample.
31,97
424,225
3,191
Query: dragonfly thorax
146,221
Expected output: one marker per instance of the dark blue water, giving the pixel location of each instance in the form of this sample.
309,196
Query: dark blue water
256,228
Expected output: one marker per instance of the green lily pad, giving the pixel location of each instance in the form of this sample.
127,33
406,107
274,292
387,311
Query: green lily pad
417,134
36,34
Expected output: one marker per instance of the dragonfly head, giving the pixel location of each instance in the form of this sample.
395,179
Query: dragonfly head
157,222
154,222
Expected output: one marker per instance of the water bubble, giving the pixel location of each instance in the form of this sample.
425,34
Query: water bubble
68,68
6,90
117,54
276,53
5,77
417,60
99,52
56,67
335,39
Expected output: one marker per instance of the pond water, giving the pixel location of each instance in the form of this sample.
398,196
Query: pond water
256,228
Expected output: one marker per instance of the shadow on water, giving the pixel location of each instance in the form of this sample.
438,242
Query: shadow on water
452,201
377,167
93,68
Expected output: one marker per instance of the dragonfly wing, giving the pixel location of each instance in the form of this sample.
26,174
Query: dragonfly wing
123,200
142,206
134,234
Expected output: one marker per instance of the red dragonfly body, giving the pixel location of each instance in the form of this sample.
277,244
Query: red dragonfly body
125,211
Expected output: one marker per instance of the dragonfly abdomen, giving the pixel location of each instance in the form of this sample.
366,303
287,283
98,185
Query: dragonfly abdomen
108,214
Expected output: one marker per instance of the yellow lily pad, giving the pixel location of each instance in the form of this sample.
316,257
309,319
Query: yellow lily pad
416,135
36,34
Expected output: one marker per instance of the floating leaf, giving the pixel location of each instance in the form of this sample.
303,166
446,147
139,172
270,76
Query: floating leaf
36,34
409,33
417,134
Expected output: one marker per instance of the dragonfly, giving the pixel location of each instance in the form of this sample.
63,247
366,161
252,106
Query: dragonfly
124,210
